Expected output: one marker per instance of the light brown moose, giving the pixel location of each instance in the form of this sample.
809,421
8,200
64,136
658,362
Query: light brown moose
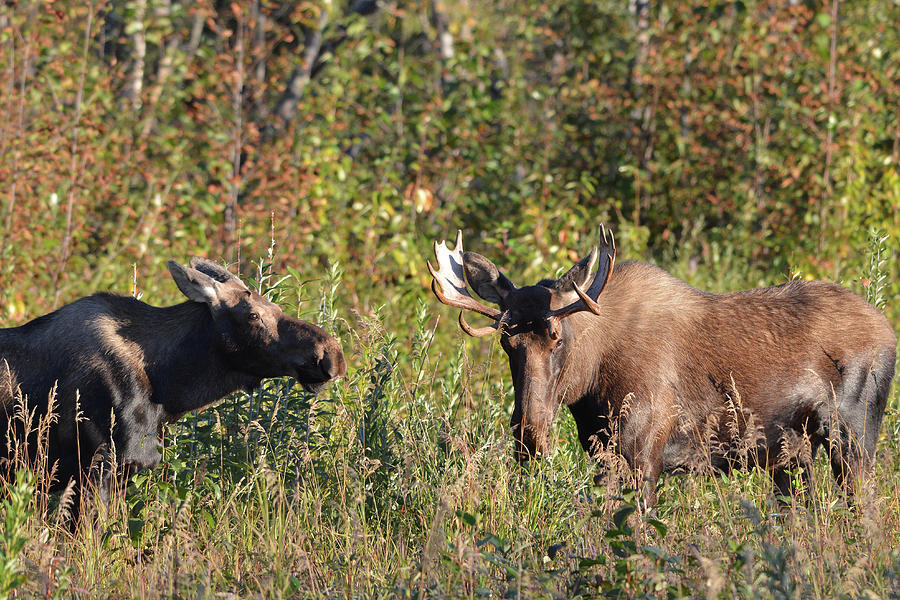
673,378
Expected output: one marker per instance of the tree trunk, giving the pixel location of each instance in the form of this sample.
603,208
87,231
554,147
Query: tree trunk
829,130
230,216
139,40
300,76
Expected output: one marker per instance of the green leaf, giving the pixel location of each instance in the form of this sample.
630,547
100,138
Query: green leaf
495,541
586,563
660,527
621,515
467,518
136,529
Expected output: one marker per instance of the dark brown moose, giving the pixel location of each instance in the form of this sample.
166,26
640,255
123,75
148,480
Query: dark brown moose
129,368
673,378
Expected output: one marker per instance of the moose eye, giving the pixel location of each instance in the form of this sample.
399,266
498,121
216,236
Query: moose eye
253,316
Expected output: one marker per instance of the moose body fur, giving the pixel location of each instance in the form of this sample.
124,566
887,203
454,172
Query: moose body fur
673,378
690,379
115,370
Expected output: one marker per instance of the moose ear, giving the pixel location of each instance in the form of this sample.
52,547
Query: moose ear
197,286
485,278
579,275
214,270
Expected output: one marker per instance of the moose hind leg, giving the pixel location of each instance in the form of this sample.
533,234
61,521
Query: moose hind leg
853,430
849,459
875,397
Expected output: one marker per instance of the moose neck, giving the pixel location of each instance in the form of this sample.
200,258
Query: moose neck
597,344
607,349
586,345
185,366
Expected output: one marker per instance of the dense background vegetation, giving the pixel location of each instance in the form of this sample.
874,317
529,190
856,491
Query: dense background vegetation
320,148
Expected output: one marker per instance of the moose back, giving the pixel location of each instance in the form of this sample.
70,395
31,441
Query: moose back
118,369
674,378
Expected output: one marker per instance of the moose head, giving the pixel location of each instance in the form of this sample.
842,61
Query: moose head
533,321
254,335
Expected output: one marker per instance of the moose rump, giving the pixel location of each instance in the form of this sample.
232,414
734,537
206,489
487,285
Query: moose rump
684,379
113,370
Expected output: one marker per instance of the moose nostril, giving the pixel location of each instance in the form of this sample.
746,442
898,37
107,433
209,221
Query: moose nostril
332,366
326,366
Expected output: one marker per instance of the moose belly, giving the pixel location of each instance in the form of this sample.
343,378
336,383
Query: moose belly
764,431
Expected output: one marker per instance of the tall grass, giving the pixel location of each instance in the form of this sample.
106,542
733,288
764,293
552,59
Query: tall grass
398,481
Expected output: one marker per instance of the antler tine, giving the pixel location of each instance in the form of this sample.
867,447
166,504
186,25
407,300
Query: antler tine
477,331
610,244
449,283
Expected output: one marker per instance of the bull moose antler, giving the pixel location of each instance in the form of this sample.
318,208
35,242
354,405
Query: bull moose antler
449,285
588,298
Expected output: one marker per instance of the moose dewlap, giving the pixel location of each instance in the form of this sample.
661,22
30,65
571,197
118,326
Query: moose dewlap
127,368
680,379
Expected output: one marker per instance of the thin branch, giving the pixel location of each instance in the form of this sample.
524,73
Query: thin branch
74,171
25,68
235,182
829,127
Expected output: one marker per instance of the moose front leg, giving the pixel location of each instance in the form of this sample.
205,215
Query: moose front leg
642,441
647,472
137,433
646,465
141,452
